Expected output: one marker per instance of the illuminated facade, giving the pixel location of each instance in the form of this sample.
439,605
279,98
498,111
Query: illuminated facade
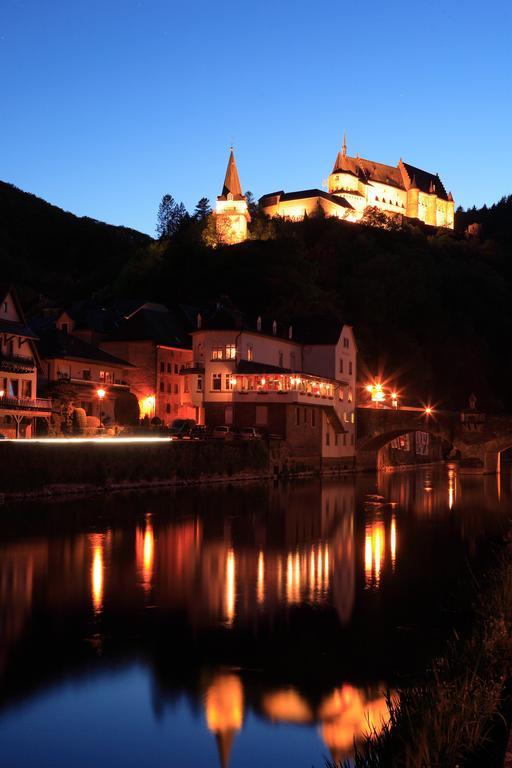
356,184
155,344
19,363
231,210
296,382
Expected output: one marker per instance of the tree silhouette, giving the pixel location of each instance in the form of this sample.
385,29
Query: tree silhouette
203,209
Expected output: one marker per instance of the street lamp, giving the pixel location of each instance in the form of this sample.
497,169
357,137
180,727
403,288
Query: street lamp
101,394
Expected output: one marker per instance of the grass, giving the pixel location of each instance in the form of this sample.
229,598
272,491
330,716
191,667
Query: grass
452,720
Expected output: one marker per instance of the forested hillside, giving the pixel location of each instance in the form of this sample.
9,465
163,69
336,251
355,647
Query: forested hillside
433,309
54,252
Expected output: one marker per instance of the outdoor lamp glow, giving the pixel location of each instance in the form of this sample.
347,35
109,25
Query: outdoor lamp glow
101,393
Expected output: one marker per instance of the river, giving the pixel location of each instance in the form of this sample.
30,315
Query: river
245,626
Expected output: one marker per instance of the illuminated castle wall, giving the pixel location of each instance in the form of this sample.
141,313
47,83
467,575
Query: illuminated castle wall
356,184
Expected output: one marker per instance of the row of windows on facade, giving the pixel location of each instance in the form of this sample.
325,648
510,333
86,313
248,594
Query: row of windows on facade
170,388
249,383
350,369
169,367
106,377
16,387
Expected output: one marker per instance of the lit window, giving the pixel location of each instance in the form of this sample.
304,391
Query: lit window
350,395
345,416
217,382
250,352
230,351
227,381
217,353
352,417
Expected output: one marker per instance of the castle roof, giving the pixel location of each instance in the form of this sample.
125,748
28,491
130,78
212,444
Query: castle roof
304,194
403,176
232,182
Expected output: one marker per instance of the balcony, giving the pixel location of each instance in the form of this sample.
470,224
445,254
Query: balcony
89,382
16,363
283,388
25,403
192,366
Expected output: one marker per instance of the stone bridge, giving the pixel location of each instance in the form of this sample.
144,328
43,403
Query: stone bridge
476,438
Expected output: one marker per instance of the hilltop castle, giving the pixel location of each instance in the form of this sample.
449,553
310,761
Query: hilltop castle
353,185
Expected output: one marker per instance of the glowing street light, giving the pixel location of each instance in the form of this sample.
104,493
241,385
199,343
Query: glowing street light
428,410
101,393
2,393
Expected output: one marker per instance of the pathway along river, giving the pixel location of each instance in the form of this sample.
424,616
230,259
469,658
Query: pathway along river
251,625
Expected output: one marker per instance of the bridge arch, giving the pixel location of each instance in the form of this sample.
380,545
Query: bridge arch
376,428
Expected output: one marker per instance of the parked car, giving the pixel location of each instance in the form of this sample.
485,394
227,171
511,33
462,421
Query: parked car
224,433
181,428
249,433
199,432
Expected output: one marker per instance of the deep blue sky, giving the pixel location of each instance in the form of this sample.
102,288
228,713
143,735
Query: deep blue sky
108,104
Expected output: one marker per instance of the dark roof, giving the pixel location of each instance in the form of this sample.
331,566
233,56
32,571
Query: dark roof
304,194
18,329
249,366
223,315
154,323
317,329
54,343
424,180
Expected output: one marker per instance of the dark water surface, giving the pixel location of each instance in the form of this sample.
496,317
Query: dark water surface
252,625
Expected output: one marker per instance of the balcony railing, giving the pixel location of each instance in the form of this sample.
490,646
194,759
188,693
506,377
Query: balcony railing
88,380
26,403
18,362
192,366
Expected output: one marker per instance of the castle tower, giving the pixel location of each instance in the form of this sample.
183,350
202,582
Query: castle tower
413,199
231,210
431,217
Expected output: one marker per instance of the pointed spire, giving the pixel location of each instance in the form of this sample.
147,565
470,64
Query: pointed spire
450,197
344,147
414,184
232,182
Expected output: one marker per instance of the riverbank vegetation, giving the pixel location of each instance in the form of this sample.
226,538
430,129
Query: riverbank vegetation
458,716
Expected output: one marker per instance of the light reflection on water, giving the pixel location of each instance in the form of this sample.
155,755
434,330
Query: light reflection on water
280,613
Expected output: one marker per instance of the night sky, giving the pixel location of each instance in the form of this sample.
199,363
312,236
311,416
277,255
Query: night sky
108,104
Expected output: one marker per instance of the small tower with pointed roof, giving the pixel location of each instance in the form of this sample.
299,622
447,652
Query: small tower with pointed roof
231,209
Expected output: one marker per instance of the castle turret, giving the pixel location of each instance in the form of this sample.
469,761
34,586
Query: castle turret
431,217
413,197
450,211
231,209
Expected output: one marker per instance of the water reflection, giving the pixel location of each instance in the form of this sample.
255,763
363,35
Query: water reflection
264,604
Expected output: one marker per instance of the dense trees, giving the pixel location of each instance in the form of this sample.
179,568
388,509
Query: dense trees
430,308
171,217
